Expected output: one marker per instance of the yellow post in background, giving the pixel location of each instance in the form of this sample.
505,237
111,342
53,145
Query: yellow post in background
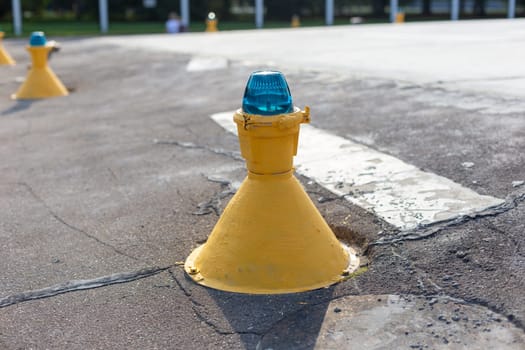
271,238
41,81
296,21
5,58
211,22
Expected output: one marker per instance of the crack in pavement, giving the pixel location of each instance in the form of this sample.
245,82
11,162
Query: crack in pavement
191,145
427,296
181,287
76,285
217,330
201,317
425,231
429,230
440,291
513,242
421,276
261,335
74,228
213,205
485,303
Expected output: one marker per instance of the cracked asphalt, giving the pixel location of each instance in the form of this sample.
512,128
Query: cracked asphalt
103,193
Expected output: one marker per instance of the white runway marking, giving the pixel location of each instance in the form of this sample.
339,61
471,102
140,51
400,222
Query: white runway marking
197,64
399,193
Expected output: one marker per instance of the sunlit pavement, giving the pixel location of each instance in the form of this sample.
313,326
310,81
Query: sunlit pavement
481,55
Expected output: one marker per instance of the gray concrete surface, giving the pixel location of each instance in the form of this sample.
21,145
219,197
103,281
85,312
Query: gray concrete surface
129,172
482,56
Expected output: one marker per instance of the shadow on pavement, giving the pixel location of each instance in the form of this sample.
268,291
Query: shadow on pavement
17,107
287,321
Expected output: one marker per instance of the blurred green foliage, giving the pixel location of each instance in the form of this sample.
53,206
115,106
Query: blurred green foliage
134,9
77,11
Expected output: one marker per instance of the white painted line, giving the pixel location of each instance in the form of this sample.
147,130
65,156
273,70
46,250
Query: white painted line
197,64
225,120
399,193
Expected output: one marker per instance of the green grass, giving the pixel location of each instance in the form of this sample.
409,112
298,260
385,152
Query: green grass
62,28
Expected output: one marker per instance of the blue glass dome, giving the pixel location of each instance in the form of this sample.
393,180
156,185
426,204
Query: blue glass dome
37,39
267,93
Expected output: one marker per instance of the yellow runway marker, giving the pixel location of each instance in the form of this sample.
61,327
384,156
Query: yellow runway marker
5,58
41,81
271,238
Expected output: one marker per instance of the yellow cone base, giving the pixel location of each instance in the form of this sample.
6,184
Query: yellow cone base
271,239
41,83
5,58
211,26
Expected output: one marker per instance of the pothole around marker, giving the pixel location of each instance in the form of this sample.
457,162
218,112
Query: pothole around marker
351,237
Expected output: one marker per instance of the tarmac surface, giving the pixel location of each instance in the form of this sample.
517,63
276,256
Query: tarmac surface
103,193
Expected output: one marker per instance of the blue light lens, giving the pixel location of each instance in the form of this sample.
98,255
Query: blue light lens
267,93
37,39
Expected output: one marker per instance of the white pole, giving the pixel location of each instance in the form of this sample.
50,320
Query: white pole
259,13
17,17
393,10
185,13
103,13
511,10
454,10
329,12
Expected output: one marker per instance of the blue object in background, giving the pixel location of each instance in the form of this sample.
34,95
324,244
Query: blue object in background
267,93
37,39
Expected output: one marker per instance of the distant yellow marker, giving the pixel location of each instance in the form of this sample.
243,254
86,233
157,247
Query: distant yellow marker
211,22
5,58
296,21
41,81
